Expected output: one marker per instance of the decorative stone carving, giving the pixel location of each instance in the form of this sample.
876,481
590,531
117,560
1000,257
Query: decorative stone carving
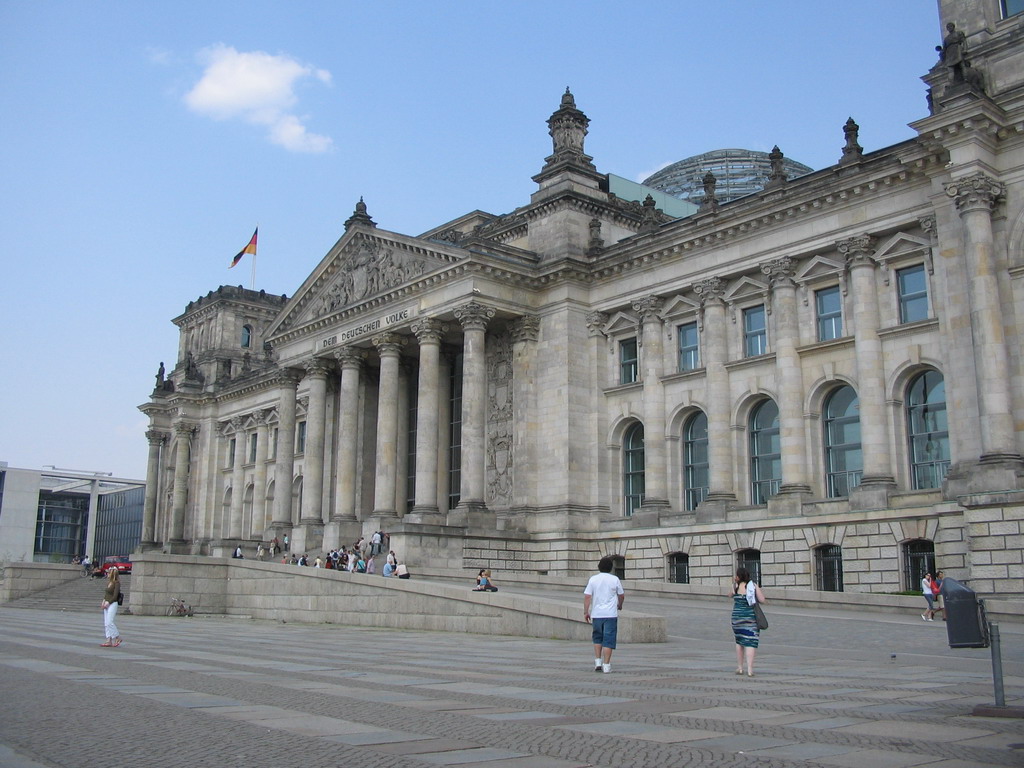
388,343
428,329
500,415
596,241
649,219
568,129
318,367
372,268
712,288
648,308
350,357
359,216
710,201
525,328
976,192
156,437
474,316
596,321
777,175
779,271
857,250
852,152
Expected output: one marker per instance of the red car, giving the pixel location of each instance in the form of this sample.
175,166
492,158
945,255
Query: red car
121,562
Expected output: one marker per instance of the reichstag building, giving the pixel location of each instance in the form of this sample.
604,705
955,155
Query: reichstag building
820,379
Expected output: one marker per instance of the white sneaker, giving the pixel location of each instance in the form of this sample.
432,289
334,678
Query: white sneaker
606,668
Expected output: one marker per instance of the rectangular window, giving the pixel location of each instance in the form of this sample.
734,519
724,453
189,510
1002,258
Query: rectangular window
829,304
755,331
689,350
913,294
629,362
1012,8
300,437
231,453
273,445
253,440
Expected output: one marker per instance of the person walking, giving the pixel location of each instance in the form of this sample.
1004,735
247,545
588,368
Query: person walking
745,592
109,606
602,601
927,589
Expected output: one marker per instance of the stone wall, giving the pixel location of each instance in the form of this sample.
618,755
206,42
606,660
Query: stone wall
314,595
995,530
21,579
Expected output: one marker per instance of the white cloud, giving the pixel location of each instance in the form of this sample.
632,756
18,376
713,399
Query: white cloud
258,88
639,178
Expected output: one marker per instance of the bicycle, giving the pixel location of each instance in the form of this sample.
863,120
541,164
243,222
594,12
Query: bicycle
179,608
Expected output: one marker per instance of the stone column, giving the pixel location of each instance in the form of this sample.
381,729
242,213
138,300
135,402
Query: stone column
877,479
525,333
156,440
474,318
182,458
976,196
351,361
259,483
721,490
284,465
655,454
429,333
389,346
789,376
312,513
234,522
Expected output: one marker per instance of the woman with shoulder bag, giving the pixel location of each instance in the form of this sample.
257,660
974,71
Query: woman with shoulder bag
745,593
111,598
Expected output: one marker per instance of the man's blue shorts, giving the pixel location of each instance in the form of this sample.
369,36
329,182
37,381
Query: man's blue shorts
605,632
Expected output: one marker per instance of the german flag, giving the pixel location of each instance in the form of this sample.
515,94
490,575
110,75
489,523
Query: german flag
250,248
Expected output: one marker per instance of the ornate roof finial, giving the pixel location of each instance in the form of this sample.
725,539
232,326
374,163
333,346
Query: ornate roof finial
710,201
777,176
853,151
360,216
568,128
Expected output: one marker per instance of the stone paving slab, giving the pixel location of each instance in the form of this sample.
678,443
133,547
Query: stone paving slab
263,693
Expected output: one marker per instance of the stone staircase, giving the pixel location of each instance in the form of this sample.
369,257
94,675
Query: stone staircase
81,595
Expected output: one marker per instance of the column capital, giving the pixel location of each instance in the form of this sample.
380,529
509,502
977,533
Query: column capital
710,289
525,328
648,308
928,225
596,322
858,250
261,417
428,330
779,271
388,343
288,377
236,423
978,192
185,429
318,367
350,357
474,316
156,436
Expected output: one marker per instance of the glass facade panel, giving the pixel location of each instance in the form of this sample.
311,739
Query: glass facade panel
928,430
829,304
60,526
765,452
629,362
689,350
844,461
913,294
633,469
755,332
695,461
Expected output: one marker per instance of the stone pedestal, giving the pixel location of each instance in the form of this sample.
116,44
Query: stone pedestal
871,494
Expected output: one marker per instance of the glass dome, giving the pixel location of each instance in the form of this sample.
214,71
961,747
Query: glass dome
738,172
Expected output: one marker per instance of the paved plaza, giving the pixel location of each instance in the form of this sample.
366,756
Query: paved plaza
856,689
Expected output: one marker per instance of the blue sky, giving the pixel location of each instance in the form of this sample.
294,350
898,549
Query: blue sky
141,143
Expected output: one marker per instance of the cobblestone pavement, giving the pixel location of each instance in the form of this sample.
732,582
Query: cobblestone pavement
855,689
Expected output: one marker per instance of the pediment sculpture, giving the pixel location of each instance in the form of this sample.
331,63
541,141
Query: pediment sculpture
372,268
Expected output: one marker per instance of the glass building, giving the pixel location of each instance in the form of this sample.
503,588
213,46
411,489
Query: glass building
737,172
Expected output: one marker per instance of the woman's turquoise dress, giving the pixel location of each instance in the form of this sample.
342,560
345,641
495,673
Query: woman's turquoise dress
744,623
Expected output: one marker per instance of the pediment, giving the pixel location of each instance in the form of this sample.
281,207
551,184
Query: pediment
901,244
744,287
363,264
621,322
820,266
678,306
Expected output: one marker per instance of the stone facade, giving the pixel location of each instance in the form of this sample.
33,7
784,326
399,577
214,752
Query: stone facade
822,381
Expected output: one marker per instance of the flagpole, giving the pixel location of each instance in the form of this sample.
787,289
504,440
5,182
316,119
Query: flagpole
252,278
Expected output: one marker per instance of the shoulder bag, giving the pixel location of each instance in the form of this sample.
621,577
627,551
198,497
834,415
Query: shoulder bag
762,620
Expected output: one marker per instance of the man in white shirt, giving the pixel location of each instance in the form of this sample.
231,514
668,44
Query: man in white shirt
602,600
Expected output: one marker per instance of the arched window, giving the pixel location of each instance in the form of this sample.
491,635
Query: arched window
246,336
828,568
765,452
751,560
679,568
633,469
695,460
843,460
918,559
928,430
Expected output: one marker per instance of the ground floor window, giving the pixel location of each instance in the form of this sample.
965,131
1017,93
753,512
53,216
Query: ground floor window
619,566
828,568
918,559
751,560
679,568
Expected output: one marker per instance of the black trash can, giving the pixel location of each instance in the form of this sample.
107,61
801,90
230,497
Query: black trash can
966,626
